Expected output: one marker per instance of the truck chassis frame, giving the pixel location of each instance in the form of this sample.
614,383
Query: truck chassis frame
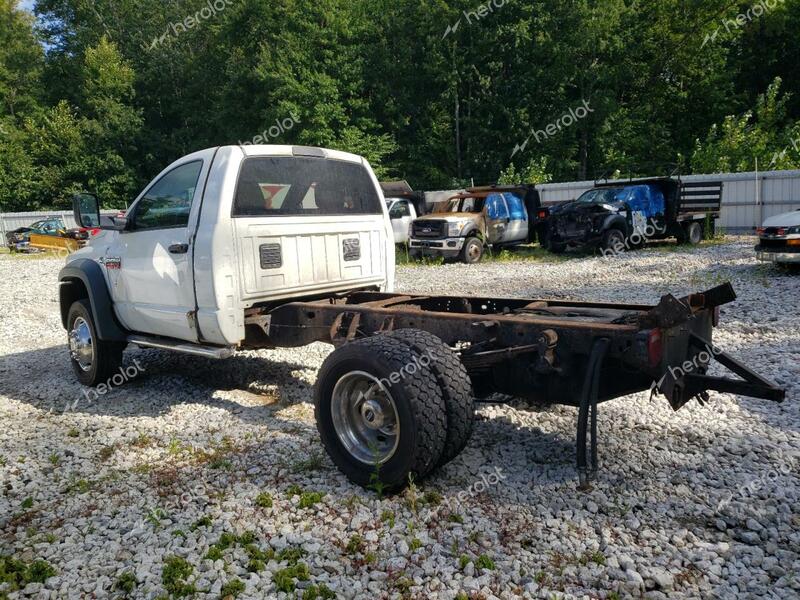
551,351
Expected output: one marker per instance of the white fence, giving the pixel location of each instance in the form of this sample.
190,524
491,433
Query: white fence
12,221
747,198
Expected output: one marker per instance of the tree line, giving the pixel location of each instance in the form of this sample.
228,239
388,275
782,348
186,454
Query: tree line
102,94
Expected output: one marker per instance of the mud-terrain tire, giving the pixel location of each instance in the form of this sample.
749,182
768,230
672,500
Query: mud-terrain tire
93,360
454,383
379,381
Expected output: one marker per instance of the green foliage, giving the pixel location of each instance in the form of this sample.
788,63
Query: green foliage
17,574
126,583
118,94
174,577
264,500
286,579
321,592
765,135
233,588
484,562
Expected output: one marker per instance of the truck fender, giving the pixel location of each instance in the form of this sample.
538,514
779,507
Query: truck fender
616,221
84,278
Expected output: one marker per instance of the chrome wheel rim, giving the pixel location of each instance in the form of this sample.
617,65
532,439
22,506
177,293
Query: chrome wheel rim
81,346
365,418
474,251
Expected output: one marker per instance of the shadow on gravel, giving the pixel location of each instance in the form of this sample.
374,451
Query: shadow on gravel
44,379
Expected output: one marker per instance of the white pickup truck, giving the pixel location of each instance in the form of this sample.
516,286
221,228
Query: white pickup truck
281,246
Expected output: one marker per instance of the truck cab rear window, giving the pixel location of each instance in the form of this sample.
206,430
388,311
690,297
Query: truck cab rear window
290,186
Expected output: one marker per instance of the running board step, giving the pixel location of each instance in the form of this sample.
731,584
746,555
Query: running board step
183,347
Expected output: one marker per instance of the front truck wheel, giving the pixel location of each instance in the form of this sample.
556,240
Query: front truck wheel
93,360
380,413
453,381
472,252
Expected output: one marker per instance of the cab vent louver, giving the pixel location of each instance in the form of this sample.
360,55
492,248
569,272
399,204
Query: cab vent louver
271,257
351,248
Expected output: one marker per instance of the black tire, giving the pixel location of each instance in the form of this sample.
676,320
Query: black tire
472,252
420,410
454,383
613,241
106,357
556,248
694,233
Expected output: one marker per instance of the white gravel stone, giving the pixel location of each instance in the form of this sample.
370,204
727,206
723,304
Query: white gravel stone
700,503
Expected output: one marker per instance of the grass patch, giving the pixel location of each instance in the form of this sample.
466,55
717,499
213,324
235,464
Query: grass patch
232,589
286,579
484,562
264,500
318,592
17,574
174,576
355,545
125,583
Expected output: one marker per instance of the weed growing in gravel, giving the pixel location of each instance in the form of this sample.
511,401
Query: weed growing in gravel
106,452
432,498
286,579
484,562
174,576
321,592
463,561
54,459
387,516
27,503
15,574
290,555
204,521
415,544
455,518
307,499
125,583
462,596
355,545
313,463
142,441
232,589
154,517
370,558
264,500
411,495
73,433
2,461
596,557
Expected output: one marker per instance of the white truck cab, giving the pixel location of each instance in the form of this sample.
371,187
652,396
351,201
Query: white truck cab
225,229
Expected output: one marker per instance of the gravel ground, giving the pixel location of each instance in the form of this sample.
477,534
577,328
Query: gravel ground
210,476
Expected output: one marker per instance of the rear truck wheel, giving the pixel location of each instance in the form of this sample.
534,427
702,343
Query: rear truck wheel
613,241
93,360
380,413
454,383
694,233
472,252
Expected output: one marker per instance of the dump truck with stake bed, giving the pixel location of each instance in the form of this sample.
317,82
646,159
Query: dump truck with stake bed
281,246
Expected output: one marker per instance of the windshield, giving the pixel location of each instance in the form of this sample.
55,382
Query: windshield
600,196
461,205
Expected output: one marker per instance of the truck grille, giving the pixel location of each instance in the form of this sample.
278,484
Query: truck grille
271,256
429,229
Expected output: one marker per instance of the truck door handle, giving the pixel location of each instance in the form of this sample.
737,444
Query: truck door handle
179,248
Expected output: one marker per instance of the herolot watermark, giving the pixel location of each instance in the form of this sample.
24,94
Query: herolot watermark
273,132
700,360
210,10
475,15
793,143
749,490
125,375
635,240
743,19
566,120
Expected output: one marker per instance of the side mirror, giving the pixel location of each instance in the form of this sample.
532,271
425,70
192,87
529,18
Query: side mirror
86,208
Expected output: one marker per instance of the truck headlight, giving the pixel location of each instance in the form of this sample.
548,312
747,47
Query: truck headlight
455,229
793,230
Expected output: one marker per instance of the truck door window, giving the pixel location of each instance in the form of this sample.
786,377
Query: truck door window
169,200
285,186
516,208
399,210
496,207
